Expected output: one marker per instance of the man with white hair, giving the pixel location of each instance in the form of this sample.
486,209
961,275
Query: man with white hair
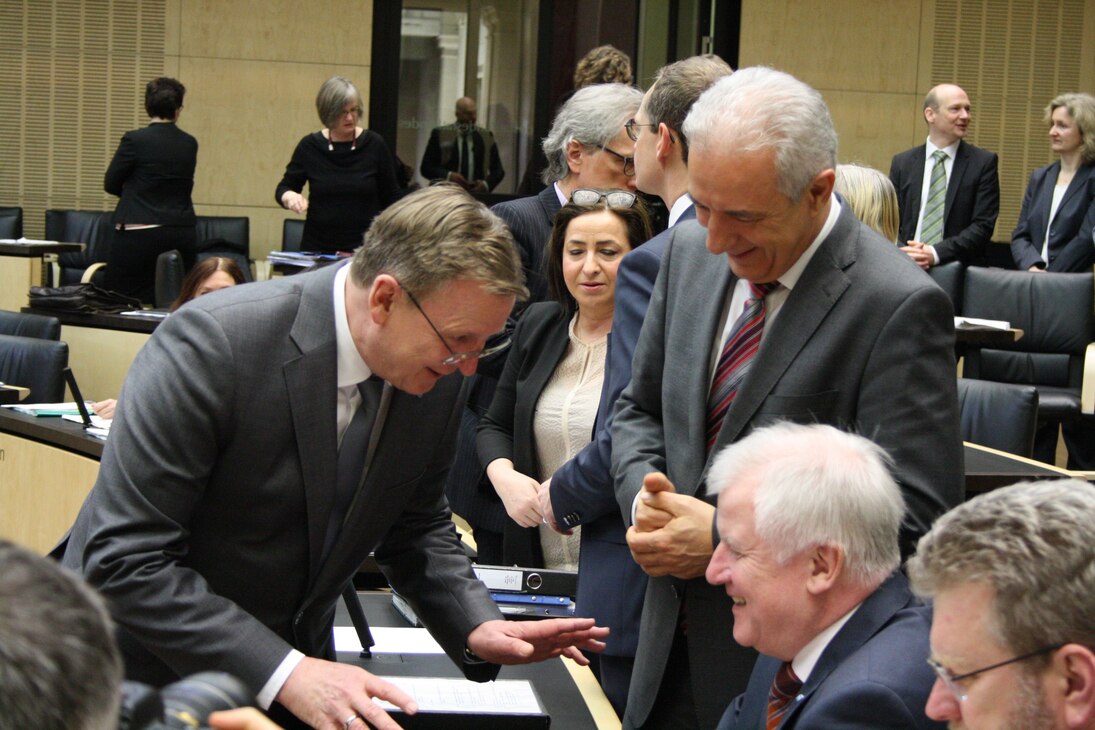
808,519
1013,635
816,319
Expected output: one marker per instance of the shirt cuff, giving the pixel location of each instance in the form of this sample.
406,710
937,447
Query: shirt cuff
634,507
935,255
277,680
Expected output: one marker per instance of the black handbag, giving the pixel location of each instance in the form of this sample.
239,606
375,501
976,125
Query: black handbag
81,298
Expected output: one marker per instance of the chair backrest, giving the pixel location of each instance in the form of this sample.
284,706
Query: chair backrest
950,278
29,325
93,228
227,236
292,229
1002,416
169,278
11,222
1056,313
35,364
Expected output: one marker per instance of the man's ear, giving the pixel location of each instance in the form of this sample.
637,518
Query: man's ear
382,295
1073,671
574,156
665,142
826,567
821,189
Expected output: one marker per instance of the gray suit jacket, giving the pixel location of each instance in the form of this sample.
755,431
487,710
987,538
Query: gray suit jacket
205,527
865,341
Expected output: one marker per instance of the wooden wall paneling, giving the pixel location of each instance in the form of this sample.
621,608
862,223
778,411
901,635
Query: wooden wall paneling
867,125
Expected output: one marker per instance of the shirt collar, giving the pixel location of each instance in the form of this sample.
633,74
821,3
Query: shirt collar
791,277
808,656
559,194
351,367
951,150
677,209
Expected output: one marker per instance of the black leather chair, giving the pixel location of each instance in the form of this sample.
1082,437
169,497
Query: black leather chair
169,278
11,222
1002,416
93,228
1055,312
36,364
227,236
29,325
292,230
950,278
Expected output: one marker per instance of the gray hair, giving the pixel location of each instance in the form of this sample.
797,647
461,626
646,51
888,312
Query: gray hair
59,665
1031,543
677,87
760,108
818,485
333,96
436,235
593,116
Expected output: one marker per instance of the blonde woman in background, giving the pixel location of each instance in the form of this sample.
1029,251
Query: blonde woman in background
871,196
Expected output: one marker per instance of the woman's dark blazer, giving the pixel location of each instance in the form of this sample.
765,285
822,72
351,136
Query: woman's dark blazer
539,342
153,173
1070,244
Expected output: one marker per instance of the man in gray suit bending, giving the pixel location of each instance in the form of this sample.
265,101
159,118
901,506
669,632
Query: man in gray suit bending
226,519
816,319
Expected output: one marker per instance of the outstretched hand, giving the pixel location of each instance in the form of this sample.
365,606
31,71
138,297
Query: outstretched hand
523,642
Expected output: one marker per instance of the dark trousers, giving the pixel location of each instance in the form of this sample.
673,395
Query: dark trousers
1079,436
131,266
675,707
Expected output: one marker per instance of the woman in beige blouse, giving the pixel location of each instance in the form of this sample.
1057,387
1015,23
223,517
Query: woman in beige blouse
543,410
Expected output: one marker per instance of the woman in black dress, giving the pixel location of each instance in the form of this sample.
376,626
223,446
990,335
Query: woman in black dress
153,174
349,171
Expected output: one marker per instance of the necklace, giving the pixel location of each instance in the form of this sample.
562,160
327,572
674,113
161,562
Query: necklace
331,142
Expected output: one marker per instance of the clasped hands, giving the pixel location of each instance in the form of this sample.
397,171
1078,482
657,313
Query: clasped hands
920,253
672,532
324,694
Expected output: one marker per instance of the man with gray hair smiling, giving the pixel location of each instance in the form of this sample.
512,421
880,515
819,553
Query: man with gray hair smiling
1013,635
808,519
776,304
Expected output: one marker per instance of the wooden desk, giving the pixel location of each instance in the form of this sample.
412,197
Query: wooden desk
47,468
101,347
986,469
986,336
21,267
570,694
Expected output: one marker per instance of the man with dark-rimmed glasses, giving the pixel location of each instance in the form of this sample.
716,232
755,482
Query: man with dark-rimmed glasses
1013,582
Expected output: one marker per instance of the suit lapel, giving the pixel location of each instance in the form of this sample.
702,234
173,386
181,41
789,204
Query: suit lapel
311,383
817,291
958,170
916,186
1079,180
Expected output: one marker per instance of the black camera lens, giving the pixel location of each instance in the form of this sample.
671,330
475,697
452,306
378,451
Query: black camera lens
188,702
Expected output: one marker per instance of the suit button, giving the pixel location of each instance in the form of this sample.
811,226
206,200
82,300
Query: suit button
298,618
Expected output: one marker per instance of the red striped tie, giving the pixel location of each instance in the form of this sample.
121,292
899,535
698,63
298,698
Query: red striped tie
737,354
784,689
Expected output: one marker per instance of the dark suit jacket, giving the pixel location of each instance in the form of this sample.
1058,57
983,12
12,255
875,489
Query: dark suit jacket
873,674
506,431
973,200
530,220
862,318
611,585
153,173
1070,244
441,158
205,527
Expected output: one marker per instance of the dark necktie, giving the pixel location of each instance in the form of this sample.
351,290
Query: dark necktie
785,687
351,457
465,156
931,231
736,357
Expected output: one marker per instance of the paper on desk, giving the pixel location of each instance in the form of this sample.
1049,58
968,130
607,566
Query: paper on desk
971,323
439,694
96,421
389,640
27,242
45,409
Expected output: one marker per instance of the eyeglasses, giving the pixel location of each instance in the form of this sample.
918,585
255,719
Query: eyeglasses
952,680
455,358
614,198
629,162
630,127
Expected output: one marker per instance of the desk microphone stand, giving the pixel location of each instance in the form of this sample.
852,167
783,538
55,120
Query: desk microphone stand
361,624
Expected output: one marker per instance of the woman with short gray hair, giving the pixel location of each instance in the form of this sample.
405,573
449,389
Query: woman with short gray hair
349,170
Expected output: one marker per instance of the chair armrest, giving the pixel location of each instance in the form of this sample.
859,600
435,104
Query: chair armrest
1087,390
90,271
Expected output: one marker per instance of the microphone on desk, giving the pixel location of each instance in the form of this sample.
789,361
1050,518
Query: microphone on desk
357,617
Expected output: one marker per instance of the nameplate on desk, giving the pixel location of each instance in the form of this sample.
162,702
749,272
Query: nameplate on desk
459,703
